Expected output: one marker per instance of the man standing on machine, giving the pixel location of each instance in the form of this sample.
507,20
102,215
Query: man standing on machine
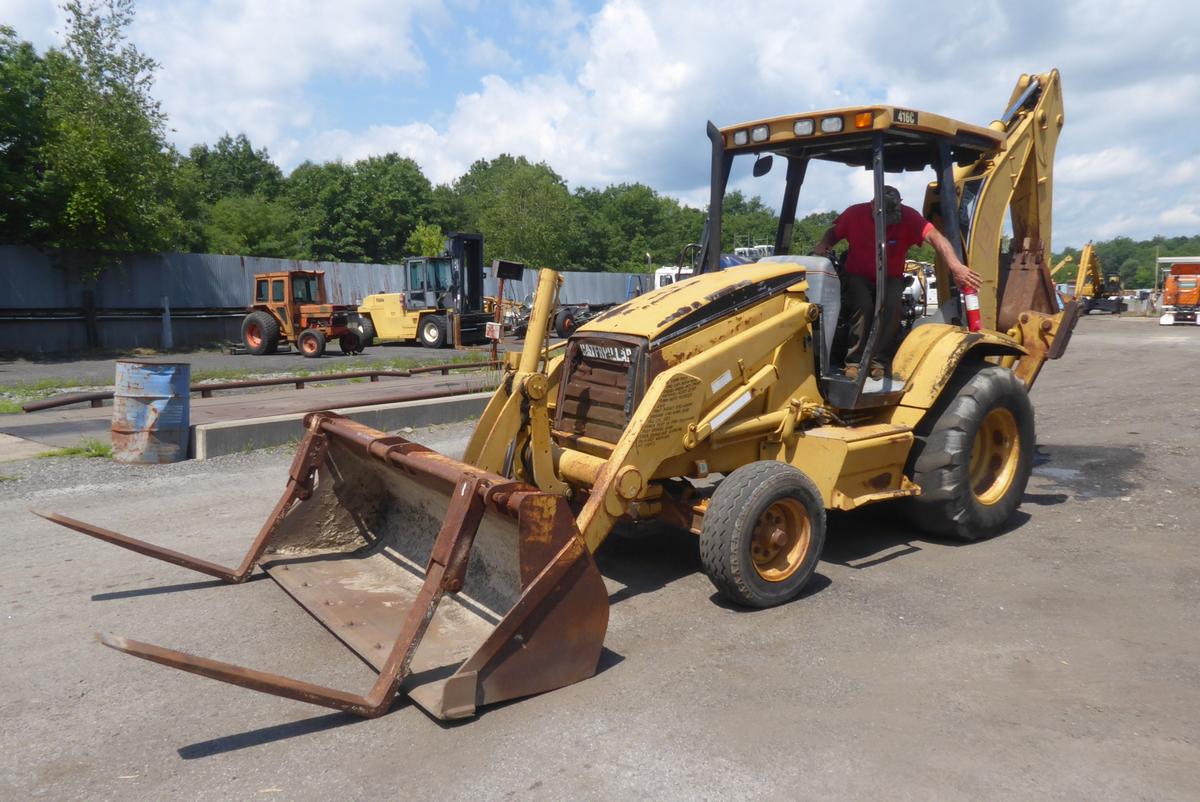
906,228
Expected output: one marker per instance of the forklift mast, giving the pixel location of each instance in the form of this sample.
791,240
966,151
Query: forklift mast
466,255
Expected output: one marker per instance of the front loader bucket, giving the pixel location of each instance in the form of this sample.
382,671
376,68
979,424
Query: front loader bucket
458,586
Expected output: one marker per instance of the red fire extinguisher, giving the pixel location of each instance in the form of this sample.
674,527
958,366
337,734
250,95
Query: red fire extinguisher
971,301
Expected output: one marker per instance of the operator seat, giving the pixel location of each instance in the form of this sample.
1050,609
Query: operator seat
824,290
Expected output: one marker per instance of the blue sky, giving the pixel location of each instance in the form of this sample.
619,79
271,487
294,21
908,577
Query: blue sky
619,90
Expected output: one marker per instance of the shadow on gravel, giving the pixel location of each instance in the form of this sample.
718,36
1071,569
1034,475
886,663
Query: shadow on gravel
160,589
875,535
266,735
815,585
646,558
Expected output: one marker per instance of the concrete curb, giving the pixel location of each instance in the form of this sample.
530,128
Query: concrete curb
230,437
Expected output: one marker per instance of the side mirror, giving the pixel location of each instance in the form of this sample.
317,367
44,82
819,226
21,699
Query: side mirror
762,165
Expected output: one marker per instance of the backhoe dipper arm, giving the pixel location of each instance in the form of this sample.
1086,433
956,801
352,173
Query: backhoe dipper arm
1018,178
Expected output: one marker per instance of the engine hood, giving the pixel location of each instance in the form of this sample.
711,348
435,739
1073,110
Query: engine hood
662,314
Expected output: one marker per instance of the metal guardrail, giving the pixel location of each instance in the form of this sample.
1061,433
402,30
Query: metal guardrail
98,397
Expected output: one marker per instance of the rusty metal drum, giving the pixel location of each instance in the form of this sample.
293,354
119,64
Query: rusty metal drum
150,412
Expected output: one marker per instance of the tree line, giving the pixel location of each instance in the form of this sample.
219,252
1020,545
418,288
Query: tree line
86,168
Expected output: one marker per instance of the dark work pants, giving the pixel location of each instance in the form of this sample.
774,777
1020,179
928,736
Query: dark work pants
858,301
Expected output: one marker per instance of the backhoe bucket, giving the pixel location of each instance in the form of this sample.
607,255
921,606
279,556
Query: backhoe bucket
458,586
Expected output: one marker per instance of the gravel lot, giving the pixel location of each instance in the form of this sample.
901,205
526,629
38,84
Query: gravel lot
1059,660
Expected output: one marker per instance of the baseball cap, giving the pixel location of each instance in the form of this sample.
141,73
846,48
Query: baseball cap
891,205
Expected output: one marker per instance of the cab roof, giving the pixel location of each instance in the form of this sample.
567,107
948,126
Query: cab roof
845,135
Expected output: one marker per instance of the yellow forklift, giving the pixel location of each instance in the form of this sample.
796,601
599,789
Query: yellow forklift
442,303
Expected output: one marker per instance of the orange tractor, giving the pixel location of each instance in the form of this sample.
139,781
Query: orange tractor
293,307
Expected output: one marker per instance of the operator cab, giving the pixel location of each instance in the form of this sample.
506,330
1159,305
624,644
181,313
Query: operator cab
881,139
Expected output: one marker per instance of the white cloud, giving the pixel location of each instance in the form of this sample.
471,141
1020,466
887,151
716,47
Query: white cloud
1102,166
1183,215
486,54
245,65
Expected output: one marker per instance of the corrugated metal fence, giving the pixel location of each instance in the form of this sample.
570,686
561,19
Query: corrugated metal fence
46,306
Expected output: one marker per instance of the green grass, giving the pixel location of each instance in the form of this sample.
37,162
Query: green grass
89,447
12,396
6,478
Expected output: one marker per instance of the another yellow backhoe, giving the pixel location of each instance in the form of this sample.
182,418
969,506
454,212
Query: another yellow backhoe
1094,289
466,582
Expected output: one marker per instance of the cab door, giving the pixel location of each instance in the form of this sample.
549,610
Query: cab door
420,294
279,305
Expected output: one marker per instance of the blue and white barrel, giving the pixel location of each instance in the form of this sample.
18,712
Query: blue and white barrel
150,412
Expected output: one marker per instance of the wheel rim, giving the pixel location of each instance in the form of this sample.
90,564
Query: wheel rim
782,536
309,345
430,332
254,336
995,455
569,325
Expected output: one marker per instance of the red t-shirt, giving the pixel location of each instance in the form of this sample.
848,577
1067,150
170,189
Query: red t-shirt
856,225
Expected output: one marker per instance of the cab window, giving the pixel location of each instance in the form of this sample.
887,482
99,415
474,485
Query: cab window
416,276
304,289
260,289
277,290
442,272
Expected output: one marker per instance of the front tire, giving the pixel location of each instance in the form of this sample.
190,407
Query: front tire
763,534
972,455
433,331
311,343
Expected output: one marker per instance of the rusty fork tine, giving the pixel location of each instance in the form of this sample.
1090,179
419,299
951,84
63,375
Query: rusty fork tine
309,456
246,677
142,547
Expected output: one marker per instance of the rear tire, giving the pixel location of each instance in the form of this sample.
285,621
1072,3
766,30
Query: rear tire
564,322
311,343
972,455
260,333
433,331
763,534
350,343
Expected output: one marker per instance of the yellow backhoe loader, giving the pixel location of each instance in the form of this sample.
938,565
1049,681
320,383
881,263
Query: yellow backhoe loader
466,582
1096,290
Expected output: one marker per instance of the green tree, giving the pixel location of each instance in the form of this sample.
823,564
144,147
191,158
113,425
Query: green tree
532,216
809,230
426,240
363,212
23,76
107,174
251,225
233,167
746,221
